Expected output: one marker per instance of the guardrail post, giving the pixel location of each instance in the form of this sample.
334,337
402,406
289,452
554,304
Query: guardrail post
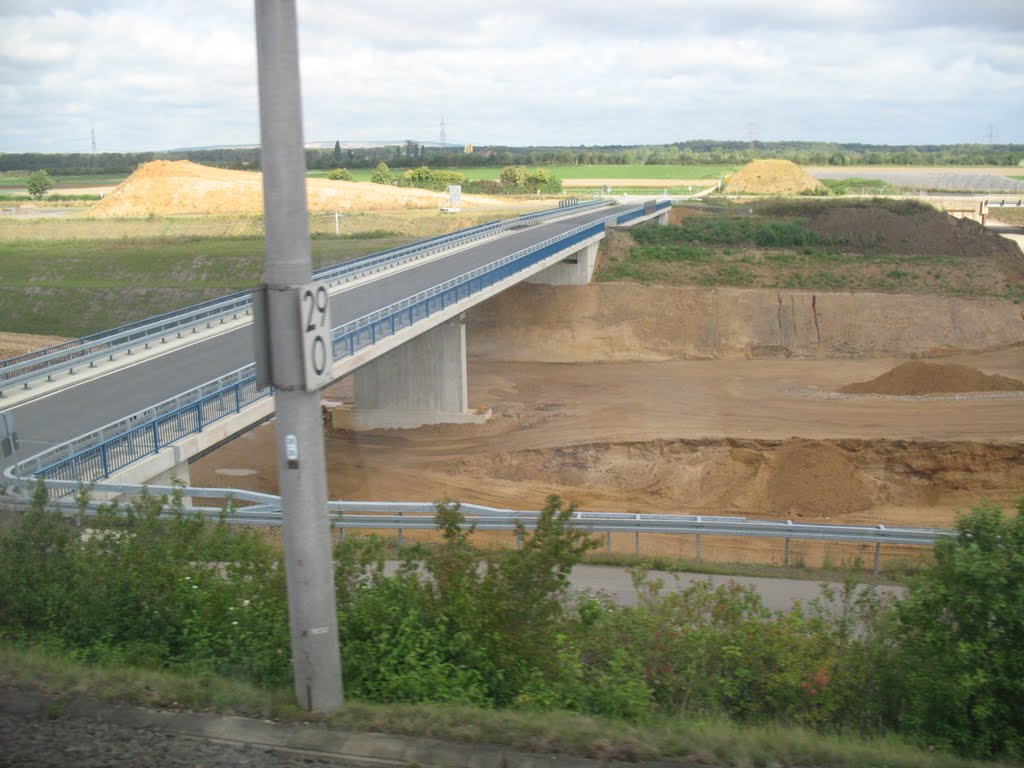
199,416
698,540
103,460
238,398
636,543
519,538
156,437
400,533
608,541
878,552
786,560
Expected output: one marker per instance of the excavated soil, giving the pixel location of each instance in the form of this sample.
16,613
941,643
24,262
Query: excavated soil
165,187
920,378
920,231
14,344
770,177
753,438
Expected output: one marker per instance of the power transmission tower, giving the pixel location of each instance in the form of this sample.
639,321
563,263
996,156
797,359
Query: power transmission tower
92,133
444,135
991,133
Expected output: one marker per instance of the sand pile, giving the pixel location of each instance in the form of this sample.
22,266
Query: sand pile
917,378
770,177
163,187
814,478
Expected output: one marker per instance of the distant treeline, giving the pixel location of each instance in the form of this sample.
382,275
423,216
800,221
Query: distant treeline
411,154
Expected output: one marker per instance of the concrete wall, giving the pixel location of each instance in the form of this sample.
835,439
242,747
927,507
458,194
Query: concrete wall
577,269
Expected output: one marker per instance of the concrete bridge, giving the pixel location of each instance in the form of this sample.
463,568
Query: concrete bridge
143,414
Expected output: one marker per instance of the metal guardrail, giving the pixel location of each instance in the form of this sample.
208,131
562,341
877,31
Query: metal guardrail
86,351
97,454
253,508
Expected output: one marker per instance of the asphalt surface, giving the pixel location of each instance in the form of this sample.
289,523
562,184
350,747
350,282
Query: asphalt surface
73,743
76,410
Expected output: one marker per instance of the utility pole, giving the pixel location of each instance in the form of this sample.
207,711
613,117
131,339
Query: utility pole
312,608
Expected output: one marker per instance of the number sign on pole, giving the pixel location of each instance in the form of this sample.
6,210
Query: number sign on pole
315,319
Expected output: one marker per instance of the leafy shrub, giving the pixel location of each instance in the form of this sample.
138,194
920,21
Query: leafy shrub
961,629
340,174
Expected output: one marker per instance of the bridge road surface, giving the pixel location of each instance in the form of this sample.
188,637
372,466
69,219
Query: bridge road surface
68,413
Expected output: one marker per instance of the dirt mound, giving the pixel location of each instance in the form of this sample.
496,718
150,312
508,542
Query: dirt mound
912,230
163,187
917,378
771,177
815,478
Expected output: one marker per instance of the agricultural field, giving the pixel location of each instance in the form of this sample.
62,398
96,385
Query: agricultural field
598,172
103,273
18,181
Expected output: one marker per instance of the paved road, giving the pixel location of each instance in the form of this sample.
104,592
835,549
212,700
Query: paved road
72,743
76,410
778,594
617,584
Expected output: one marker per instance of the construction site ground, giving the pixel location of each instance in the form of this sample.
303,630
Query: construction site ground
756,438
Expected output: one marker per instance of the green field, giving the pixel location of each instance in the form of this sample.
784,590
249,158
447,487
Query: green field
74,276
778,248
709,172
64,182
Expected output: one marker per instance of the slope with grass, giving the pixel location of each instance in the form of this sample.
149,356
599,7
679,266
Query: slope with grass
879,246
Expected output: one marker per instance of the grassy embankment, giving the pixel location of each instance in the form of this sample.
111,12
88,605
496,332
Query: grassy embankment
71,277
776,247
709,741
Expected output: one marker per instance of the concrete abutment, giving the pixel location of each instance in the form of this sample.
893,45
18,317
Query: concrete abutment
424,381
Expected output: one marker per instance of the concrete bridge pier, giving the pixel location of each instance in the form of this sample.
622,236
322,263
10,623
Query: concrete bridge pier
178,472
663,219
423,381
576,269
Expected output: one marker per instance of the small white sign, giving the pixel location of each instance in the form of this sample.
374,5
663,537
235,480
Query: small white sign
315,322
291,448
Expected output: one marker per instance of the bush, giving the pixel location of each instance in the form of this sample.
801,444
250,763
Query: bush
340,174
146,589
382,174
962,639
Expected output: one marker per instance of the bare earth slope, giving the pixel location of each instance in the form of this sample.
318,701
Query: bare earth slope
164,187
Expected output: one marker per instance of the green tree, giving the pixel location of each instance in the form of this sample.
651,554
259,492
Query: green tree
513,179
382,174
337,153
38,184
962,633
340,174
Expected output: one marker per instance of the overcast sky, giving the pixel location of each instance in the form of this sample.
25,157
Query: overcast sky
182,73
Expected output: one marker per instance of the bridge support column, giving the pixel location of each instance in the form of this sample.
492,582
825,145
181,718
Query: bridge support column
576,269
178,472
421,382
663,219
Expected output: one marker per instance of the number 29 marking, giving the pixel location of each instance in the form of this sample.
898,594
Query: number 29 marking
315,303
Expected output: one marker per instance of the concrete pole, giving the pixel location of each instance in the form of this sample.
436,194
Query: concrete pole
313,613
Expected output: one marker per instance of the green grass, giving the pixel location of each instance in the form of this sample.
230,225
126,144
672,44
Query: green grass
709,742
776,247
709,172
859,186
65,182
98,284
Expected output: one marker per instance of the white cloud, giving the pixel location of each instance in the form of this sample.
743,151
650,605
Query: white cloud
154,75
